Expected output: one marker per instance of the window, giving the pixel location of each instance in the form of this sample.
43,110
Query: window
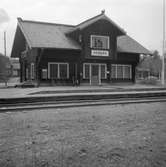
32,70
63,71
99,42
127,71
58,70
121,71
103,71
113,71
86,71
53,71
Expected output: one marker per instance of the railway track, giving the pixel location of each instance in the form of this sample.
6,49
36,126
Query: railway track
81,102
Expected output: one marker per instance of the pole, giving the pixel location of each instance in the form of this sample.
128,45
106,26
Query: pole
5,43
163,49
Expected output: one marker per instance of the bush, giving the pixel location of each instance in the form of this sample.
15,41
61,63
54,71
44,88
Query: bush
151,80
4,77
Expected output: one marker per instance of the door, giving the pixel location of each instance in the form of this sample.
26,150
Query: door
95,80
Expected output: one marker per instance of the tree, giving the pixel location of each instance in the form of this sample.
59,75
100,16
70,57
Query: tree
5,69
152,64
156,64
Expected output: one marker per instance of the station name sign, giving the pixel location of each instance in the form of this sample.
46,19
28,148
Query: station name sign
99,53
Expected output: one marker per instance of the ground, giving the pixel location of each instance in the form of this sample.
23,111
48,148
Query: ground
104,136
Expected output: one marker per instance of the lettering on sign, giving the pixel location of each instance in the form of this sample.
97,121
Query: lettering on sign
99,53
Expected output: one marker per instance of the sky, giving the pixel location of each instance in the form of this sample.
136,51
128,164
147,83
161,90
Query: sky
141,19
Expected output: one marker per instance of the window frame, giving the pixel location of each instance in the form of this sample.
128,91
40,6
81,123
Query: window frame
32,70
58,63
123,67
105,65
90,70
130,66
84,76
102,36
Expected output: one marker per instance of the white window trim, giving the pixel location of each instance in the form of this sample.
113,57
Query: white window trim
32,70
105,77
58,63
130,66
103,36
120,65
123,67
90,71
84,69
115,65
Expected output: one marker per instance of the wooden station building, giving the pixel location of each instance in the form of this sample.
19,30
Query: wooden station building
94,52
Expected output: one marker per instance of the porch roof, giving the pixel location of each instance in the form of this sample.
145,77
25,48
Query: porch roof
126,44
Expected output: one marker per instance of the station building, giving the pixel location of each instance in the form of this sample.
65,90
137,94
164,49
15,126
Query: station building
94,52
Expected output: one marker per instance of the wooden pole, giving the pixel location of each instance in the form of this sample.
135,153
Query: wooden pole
163,49
5,43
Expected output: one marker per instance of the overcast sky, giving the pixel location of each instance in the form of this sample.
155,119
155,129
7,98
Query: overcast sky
141,19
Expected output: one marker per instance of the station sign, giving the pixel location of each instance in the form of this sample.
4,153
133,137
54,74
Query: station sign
99,53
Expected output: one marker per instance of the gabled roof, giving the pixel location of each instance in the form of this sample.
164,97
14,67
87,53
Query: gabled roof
127,44
47,35
92,20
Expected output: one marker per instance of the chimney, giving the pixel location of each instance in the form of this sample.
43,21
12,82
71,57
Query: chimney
103,11
19,18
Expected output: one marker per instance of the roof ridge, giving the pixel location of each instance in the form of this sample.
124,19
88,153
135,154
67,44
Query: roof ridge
42,22
100,16
89,19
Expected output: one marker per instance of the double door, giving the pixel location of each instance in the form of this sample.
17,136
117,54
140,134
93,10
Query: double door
95,72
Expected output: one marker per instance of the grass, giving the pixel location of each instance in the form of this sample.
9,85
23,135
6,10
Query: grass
120,136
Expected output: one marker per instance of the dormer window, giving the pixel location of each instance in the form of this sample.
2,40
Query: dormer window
99,42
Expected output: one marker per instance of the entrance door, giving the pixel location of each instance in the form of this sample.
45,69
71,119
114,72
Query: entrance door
95,80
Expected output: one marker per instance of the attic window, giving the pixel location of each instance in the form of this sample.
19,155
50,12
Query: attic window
99,42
